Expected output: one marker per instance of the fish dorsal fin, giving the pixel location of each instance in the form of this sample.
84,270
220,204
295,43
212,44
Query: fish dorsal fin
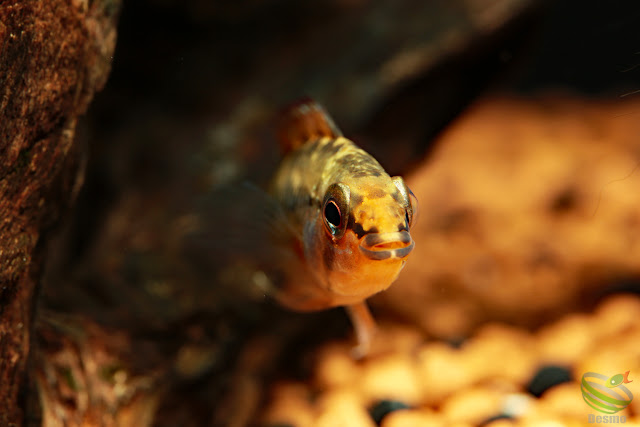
304,121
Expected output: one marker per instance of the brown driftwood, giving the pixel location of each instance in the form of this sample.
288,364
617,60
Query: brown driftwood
54,55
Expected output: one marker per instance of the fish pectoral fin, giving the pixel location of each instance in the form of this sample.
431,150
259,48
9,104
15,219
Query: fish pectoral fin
303,121
241,221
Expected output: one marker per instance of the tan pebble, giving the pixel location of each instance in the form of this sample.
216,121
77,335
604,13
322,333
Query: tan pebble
336,367
600,359
609,361
394,337
627,342
613,355
413,418
568,340
518,404
441,371
473,405
618,313
391,377
343,408
290,404
453,318
563,400
550,421
500,351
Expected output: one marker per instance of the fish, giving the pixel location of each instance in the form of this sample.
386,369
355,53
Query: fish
350,218
333,228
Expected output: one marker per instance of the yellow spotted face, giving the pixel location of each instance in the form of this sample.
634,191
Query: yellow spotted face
360,240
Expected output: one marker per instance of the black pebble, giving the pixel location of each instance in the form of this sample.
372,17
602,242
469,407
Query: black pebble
384,407
495,418
547,377
456,342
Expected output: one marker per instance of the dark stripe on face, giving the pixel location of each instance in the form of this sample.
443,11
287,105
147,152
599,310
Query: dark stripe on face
376,193
359,231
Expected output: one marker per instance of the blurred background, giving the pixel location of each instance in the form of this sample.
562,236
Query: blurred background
515,122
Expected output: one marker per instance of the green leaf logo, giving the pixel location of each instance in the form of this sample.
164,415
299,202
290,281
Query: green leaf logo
606,394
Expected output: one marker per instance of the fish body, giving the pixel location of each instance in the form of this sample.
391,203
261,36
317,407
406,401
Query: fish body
349,221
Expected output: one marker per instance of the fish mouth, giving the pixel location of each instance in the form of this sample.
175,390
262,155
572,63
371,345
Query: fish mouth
380,246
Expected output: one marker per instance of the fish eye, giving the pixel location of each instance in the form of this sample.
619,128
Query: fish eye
332,213
335,209
411,208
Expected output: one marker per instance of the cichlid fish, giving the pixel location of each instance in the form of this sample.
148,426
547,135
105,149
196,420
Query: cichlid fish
333,229
350,220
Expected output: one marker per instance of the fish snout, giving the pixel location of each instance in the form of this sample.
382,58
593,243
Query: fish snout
379,246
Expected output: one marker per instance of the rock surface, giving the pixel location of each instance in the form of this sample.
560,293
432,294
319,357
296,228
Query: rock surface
54,55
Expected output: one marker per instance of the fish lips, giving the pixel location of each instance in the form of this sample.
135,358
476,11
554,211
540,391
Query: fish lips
381,246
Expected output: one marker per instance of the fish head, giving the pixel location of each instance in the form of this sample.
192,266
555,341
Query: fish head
365,236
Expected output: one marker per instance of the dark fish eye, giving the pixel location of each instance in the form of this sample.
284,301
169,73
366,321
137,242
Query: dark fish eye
335,210
332,213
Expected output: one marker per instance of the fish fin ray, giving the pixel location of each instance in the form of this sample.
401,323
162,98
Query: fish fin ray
304,121
242,223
